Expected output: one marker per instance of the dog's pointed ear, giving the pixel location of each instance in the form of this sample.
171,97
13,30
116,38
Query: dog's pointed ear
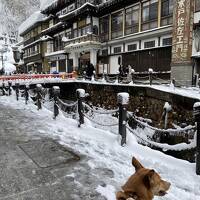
136,164
147,178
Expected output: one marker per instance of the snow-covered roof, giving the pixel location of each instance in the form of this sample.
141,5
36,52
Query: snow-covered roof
44,4
78,9
31,21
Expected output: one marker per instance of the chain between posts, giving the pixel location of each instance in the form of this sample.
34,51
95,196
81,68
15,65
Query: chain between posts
165,147
99,111
171,131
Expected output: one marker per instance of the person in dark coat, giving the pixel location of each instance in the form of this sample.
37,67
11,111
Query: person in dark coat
90,70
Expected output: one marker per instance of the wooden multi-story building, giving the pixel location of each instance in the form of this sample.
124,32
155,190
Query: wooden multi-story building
109,33
33,42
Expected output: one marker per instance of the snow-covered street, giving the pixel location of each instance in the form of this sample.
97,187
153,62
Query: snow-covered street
104,165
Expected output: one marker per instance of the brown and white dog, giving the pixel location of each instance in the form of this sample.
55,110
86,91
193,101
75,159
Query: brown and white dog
143,185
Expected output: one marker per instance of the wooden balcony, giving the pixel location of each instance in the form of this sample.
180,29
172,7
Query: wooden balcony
85,42
84,38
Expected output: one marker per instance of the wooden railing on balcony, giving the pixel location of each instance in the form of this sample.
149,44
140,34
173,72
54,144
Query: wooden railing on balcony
84,38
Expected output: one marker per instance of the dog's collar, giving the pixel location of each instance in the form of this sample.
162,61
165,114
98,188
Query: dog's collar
133,197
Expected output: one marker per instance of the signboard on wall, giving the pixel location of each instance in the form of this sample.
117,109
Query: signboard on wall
182,31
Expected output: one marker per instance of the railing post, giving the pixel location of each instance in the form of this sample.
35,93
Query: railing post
9,88
196,109
39,96
17,90
150,76
56,93
26,94
166,109
122,100
80,97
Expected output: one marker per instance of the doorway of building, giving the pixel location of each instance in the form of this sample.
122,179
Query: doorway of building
84,60
197,64
70,65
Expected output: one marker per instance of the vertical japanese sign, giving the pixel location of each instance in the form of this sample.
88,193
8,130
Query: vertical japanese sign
182,31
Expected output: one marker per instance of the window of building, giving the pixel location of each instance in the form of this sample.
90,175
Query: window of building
132,20
58,43
82,28
149,15
132,47
197,5
62,65
45,25
117,25
71,7
35,32
53,64
149,44
167,12
167,41
64,11
68,35
27,36
104,28
117,49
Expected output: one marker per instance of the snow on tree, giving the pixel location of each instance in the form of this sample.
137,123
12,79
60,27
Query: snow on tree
14,12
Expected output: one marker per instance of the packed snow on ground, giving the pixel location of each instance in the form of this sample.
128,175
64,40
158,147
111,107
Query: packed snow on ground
104,150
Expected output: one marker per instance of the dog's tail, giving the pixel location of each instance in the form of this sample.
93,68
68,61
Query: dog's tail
136,164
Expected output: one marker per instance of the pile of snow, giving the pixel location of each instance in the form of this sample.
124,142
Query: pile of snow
123,98
167,107
104,151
